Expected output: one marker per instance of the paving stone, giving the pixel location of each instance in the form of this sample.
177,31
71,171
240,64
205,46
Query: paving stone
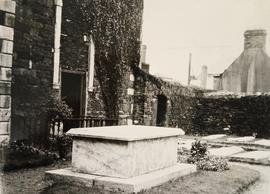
254,155
241,139
264,142
225,151
213,137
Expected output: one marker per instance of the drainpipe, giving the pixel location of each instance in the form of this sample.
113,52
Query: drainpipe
57,36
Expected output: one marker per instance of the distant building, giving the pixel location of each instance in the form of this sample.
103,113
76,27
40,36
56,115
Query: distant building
204,80
250,72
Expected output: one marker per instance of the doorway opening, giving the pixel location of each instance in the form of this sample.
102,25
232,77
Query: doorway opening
72,87
161,110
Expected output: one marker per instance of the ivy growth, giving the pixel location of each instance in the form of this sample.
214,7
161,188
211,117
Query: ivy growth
115,26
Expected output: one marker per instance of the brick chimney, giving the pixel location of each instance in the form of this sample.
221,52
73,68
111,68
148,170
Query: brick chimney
255,39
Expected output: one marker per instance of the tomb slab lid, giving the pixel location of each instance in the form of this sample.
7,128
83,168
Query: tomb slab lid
125,132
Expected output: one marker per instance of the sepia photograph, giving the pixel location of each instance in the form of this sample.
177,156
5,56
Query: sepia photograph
135,96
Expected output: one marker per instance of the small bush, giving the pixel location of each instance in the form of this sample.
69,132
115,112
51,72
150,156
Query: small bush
64,145
213,164
199,156
18,154
198,151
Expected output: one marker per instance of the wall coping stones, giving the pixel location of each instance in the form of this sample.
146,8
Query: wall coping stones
126,132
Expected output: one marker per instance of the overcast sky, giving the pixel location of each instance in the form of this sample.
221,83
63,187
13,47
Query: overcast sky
212,30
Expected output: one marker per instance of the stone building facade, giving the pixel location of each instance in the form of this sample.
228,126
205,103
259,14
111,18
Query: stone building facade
55,51
87,52
249,73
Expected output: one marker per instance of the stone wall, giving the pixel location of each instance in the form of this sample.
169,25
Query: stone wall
32,68
180,101
7,16
74,55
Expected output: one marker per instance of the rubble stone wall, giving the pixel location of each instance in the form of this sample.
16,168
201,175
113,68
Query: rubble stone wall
180,101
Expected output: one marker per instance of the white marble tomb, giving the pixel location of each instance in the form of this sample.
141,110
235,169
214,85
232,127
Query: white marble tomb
123,151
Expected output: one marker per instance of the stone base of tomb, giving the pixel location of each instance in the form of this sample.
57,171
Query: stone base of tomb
125,185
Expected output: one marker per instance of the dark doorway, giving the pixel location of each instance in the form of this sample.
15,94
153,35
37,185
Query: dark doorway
161,110
71,91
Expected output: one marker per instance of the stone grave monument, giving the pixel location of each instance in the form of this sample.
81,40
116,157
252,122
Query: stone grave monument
127,159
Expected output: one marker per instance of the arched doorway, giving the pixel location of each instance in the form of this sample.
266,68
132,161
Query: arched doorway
161,110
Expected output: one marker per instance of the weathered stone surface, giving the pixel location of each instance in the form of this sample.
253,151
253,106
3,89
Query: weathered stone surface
225,151
123,159
5,74
5,114
241,139
8,6
6,33
123,151
130,185
9,20
5,101
5,60
264,142
254,155
5,87
6,46
4,140
4,128
126,132
213,137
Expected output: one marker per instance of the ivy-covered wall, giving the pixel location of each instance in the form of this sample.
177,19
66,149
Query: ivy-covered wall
240,115
180,101
198,112
116,30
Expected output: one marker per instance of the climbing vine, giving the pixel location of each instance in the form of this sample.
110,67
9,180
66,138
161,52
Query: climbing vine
116,29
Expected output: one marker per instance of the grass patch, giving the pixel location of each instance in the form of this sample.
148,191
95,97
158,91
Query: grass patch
232,181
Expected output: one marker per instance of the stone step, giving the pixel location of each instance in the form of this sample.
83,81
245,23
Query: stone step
225,151
127,185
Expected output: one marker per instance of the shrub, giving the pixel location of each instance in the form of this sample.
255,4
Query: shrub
198,151
55,107
18,154
213,164
64,145
199,156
